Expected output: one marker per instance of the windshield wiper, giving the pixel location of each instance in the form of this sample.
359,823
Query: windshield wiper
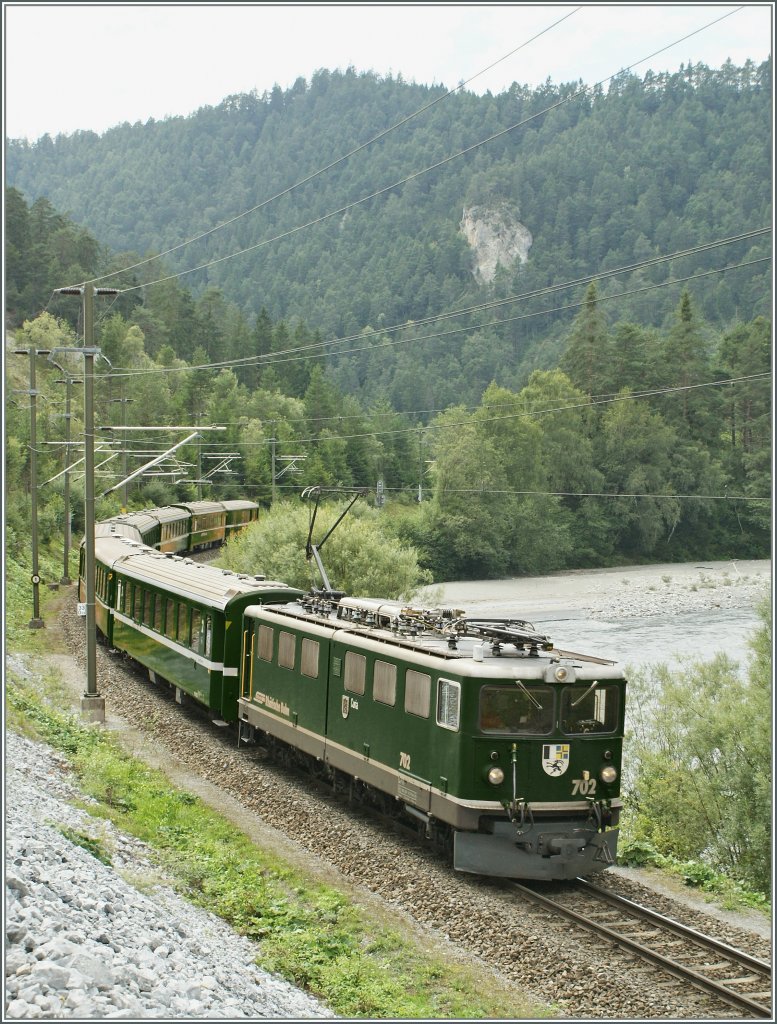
534,701
580,699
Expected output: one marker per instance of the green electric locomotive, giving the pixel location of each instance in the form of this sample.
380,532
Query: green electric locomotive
506,749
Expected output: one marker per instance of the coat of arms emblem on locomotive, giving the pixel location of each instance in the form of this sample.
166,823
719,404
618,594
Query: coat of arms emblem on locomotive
555,758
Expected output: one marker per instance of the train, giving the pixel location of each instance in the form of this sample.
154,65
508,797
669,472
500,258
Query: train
498,747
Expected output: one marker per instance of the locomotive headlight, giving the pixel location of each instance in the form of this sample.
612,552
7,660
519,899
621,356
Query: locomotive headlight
608,774
495,776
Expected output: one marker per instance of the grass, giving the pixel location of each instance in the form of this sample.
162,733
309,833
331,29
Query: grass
92,844
19,605
310,933
724,890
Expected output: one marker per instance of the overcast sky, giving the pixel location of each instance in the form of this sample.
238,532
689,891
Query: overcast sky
91,66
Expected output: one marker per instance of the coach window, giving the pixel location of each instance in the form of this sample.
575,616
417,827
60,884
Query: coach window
355,671
120,595
309,661
418,689
183,625
448,704
207,626
196,642
384,683
266,636
148,608
170,619
159,612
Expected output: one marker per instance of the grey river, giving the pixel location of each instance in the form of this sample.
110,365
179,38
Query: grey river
656,638
636,615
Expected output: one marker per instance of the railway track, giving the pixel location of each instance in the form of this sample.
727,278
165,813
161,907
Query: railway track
534,950
715,968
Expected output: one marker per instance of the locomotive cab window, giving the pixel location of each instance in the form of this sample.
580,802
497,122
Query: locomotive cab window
593,708
517,709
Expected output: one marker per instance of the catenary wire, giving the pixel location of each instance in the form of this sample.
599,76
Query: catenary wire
266,358
275,359
426,170
532,413
601,275
339,160
510,493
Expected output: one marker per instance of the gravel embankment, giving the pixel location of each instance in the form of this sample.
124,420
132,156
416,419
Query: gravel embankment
81,942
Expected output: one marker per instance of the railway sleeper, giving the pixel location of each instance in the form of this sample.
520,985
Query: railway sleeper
736,981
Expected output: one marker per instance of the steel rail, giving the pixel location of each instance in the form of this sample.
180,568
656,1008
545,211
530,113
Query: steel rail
682,930
687,974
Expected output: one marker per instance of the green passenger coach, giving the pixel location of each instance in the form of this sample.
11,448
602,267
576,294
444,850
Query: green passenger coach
178,618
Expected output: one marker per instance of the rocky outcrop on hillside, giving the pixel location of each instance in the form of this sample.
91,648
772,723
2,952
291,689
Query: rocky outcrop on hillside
496,237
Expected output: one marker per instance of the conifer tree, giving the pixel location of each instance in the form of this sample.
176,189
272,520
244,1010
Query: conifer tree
587,355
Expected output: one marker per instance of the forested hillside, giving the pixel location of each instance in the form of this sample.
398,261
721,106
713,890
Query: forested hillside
601,179
643,444
631,421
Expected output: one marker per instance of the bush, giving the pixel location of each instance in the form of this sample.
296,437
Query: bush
361,557
701,785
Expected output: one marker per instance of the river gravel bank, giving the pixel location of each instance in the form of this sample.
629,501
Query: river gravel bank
635,591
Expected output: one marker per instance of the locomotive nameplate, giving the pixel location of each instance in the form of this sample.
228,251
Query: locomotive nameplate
408,792
274,705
